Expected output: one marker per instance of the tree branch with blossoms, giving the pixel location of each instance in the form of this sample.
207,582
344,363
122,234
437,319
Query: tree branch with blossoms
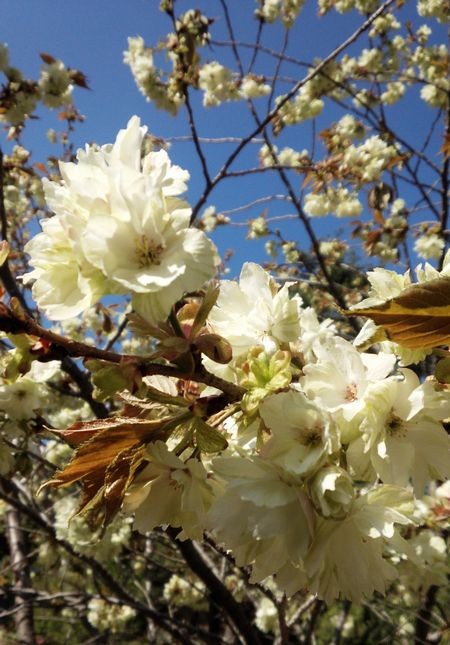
291,415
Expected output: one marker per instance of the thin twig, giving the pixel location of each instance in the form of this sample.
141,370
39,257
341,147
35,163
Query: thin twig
270,115
445,178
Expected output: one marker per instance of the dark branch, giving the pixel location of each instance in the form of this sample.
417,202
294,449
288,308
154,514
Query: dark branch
62,348
217,589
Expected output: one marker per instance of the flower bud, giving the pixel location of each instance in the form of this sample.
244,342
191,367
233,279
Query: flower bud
331,492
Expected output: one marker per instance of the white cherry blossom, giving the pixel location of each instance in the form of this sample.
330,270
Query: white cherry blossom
119,228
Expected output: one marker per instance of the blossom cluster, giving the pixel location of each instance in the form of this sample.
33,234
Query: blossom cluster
20,96
284,10
148,78
309,476
119,228
285,157
22,395
350,164
219,85
327,453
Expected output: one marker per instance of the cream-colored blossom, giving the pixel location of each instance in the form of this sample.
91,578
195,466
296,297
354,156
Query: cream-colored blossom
181,592
285,10
332,492
20,399
108,617
428,564
75,529
55,83
313,333
264,515
339,380
119,228
170,491
253,87
438,9
302,436
147,77
333,201
255,311
370,159
429,247
217,83
346,557
393,92
402,437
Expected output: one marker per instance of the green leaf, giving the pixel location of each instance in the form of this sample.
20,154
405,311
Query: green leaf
154,395
442,372
108,379
207,438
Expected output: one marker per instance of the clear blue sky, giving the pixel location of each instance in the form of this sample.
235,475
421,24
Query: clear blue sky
91,35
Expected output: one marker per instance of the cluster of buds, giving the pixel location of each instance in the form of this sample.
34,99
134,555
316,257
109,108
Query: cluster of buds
284,10
19,96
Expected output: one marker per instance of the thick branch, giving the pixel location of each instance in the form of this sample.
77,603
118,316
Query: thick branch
62,348
445,178
217,589
23,614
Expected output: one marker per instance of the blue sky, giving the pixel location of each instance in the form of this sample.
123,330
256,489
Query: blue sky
91,36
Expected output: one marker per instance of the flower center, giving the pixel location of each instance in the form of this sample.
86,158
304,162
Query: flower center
351,392
148,253
310,436
396,427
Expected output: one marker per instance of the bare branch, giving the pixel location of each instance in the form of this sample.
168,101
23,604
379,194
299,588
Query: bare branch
217,589
23,616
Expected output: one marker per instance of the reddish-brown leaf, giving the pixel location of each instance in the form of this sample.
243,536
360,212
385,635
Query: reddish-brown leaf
418,318
109,451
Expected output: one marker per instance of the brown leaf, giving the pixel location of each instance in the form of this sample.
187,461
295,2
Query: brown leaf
100,440
102,502
372,240
141,327
418,318
109,451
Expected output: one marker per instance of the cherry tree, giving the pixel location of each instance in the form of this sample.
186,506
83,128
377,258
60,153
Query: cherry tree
194,453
